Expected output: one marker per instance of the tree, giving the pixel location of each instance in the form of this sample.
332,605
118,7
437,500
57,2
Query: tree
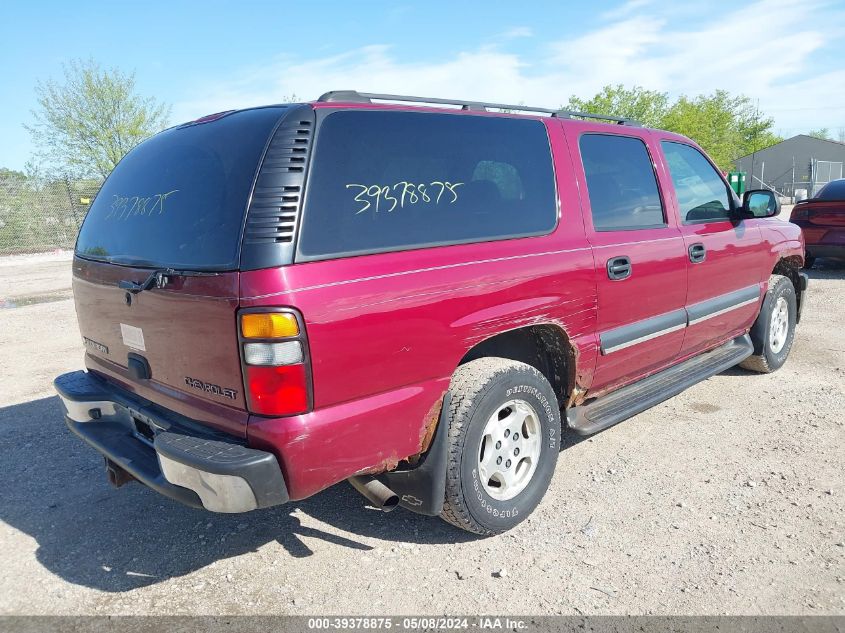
822,133
726,126
85,125
649,107
754,129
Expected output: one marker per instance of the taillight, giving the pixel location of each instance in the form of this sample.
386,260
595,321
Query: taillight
269,324
274,353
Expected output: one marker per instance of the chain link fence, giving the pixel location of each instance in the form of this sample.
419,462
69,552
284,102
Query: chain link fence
40,216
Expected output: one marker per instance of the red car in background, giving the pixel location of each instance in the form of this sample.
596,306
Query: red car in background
822,220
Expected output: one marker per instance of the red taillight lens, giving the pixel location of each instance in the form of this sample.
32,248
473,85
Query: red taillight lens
277,390
275,361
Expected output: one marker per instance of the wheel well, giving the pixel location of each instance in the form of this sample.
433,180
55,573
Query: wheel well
545,347
789,267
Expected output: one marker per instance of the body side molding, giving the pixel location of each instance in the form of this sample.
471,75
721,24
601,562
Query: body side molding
648,329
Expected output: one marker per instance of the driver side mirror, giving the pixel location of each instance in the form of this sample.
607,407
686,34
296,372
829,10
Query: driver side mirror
760,203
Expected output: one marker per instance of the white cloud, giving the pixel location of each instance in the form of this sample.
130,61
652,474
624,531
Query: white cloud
485,74
624,10
764,50
517,32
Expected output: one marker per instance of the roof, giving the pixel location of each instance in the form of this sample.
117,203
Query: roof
355,97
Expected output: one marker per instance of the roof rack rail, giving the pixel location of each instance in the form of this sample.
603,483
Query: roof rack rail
353,96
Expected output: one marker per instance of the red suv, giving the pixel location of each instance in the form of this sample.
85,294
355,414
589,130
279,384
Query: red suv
415,297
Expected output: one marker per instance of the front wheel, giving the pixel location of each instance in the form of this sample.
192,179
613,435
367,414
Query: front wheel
504,438
774,330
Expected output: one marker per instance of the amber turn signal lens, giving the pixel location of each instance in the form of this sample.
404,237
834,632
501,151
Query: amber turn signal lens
269,325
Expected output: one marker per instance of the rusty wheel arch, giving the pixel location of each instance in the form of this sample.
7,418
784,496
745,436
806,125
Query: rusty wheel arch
789,267
545,346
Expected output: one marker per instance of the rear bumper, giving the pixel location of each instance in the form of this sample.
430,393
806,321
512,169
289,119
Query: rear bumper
172,456
826,250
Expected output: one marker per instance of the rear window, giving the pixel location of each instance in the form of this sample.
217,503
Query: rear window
383,181
834,190
178,199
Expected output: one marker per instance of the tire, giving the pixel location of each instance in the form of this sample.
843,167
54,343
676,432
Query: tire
771,335
505,390
809,260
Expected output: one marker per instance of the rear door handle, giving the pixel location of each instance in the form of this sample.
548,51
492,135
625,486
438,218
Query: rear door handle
697,253
619,268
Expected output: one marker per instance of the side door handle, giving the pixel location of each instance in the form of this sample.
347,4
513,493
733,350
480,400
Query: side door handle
619,268
697,253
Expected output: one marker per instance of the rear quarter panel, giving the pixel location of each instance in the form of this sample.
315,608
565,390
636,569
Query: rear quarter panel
387,331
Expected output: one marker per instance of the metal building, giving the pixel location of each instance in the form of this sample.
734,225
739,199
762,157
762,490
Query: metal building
797,167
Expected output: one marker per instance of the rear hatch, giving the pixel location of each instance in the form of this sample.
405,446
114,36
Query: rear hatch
157,260
826,213
826,210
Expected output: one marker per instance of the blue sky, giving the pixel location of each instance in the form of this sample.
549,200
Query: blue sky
203,57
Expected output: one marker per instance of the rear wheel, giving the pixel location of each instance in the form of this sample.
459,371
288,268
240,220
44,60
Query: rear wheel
774,330
809,260
504,434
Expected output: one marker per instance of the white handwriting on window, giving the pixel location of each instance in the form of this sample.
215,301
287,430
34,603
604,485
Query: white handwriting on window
404,193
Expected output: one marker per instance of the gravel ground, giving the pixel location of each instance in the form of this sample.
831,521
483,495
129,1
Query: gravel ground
725,499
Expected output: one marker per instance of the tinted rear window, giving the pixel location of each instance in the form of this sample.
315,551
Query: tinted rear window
384,181
621,183
178,199
834,190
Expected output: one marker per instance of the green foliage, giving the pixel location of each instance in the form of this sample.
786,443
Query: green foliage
11,182
85,125
649,107
38,215
725,126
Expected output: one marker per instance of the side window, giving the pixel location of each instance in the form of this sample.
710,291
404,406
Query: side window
621,183
387,181
702,194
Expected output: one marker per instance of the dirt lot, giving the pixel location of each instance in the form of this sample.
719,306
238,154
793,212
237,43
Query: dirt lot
726,499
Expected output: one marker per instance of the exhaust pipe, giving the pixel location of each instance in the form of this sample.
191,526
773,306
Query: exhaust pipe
376,492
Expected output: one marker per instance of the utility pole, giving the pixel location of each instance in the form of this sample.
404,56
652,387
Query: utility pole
793,179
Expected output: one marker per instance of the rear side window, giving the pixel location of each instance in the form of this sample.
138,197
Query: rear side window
702,194
383,181
621,183
179,198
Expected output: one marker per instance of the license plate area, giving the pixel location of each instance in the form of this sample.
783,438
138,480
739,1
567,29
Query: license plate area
144,431
144,427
